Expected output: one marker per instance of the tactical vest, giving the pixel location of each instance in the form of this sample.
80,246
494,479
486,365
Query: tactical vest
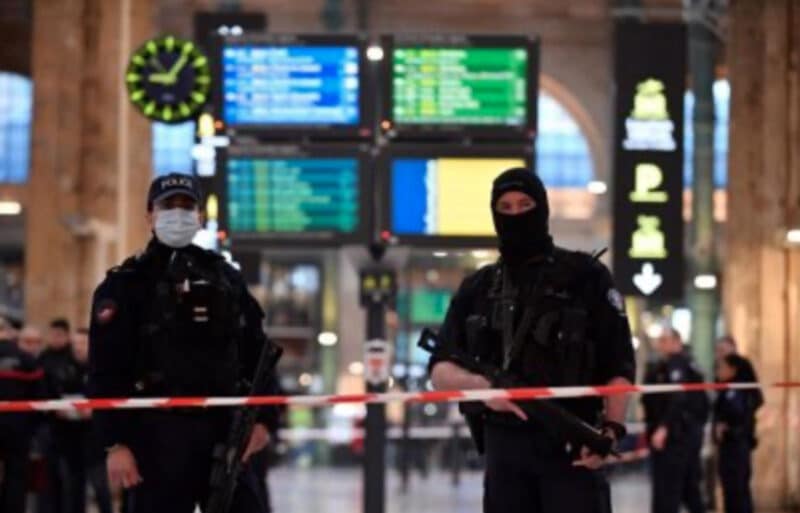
542,331
190,328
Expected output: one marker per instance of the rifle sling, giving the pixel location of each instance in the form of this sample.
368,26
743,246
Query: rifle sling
514,340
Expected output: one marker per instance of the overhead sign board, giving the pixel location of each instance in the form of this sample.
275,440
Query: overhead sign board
650,71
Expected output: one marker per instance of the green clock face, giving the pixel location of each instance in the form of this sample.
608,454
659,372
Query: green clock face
168,79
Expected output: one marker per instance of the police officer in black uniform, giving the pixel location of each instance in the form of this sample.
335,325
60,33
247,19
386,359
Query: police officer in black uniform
735,433
563,308
175,320
675,424
20,378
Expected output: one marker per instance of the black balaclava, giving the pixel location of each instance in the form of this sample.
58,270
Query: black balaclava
522,236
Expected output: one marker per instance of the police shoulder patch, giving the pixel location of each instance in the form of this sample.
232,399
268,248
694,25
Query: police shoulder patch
105,310
616,300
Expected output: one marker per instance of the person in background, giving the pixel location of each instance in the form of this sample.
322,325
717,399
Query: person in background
11,329
81,455
675,425
734,432
61,374
20,378
726,345
30,341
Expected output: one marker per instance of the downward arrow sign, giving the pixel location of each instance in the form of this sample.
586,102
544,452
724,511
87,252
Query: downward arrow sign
648,280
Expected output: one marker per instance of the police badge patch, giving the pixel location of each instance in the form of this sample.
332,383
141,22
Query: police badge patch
616,300
105,310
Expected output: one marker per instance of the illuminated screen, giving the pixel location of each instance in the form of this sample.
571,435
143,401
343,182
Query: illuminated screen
444,196
293,195
429,306
469,86
290,85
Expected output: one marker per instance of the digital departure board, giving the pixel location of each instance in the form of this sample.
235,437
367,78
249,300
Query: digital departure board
293,195
444,196
470,86
290,85
454,84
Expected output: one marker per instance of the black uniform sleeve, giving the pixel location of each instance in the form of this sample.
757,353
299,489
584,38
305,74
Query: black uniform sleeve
453,330
612,334
112,355
253,342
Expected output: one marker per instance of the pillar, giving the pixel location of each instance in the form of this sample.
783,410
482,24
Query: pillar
761,273
703,303
90,155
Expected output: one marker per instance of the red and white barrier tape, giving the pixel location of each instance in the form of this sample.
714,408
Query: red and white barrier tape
373,398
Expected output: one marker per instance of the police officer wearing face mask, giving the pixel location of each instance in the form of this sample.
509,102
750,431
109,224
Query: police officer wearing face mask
175,320
566,323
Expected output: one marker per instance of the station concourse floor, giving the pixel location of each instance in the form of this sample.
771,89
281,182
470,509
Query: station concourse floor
328,490
338,490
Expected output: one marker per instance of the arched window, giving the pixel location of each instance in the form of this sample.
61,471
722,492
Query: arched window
172,148
16,101
722,97
562,152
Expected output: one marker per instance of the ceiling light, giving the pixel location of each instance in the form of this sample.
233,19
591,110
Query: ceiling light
10,208
793,236
327,338
375,53
597,187
705,281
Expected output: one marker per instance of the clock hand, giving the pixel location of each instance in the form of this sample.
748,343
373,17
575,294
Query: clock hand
177,67
160,78
156,64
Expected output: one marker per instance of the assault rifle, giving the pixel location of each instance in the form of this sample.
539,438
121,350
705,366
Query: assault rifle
227,464
558,422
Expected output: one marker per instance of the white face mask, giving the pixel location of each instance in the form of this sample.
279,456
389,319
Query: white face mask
176,227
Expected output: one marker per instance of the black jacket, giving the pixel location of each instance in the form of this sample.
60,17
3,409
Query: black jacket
21,378
675,411
119,321
588,282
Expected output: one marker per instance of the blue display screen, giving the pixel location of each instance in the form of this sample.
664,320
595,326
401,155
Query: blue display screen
444,195
290,85
409,196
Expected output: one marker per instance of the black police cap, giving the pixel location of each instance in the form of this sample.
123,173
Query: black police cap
169,185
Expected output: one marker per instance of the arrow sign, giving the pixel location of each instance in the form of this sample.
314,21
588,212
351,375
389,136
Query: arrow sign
648,280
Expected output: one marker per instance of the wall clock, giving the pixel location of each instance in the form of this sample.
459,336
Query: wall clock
168,79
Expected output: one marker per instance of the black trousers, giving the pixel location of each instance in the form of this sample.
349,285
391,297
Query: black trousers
676,474
14,460
80,461
174,455
527,473
734,474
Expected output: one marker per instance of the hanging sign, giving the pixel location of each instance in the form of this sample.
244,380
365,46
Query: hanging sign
650,71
